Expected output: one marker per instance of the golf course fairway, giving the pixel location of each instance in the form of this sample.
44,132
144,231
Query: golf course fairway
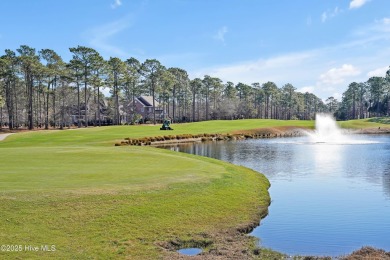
73,194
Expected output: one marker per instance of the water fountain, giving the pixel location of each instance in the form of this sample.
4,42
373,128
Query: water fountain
327,131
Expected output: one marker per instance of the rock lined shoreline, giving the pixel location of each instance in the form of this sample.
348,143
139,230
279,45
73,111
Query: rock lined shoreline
371,131
259,133
237,135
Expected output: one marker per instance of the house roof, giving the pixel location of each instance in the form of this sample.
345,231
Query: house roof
148,101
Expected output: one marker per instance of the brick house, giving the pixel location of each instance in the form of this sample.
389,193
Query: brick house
144,107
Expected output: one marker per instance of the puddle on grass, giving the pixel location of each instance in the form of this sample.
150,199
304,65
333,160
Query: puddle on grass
190,251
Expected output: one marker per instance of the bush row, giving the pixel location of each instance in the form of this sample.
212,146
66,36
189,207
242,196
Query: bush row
201,137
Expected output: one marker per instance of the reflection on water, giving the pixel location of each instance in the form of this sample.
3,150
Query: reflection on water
386,180
326,156
326,198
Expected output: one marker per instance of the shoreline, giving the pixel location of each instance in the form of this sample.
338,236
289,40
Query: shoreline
269,132
368,131
261,133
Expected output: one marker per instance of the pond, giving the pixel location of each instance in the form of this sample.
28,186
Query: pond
327,198
190,251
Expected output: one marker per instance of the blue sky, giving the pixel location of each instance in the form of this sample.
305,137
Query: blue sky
318,46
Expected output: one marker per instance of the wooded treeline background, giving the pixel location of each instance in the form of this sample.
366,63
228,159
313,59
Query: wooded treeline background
39,89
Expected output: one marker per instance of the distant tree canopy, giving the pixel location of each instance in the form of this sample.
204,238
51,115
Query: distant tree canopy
39,89
366,99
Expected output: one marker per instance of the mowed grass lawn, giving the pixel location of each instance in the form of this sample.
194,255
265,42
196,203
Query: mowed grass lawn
382,122
106,136
74,190
112,202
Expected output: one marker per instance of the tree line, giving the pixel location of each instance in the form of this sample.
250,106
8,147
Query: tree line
38,89
365,99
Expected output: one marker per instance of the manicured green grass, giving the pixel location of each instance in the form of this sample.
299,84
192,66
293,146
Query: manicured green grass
108,168
138,199
74,189
107,136
383,122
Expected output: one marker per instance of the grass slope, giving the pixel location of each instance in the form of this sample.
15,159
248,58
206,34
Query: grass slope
124,209
76,191
383,122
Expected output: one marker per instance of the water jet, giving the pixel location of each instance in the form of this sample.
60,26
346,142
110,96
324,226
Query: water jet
327,131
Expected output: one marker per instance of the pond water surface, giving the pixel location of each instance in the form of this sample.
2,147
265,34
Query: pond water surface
190,251
327,199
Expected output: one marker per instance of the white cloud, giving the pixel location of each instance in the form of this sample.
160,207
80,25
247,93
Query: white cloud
335,80
101,37
357,3
330,14
220,35
309,89
379,72
116,4
337,95
292,65
336,76
323,71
